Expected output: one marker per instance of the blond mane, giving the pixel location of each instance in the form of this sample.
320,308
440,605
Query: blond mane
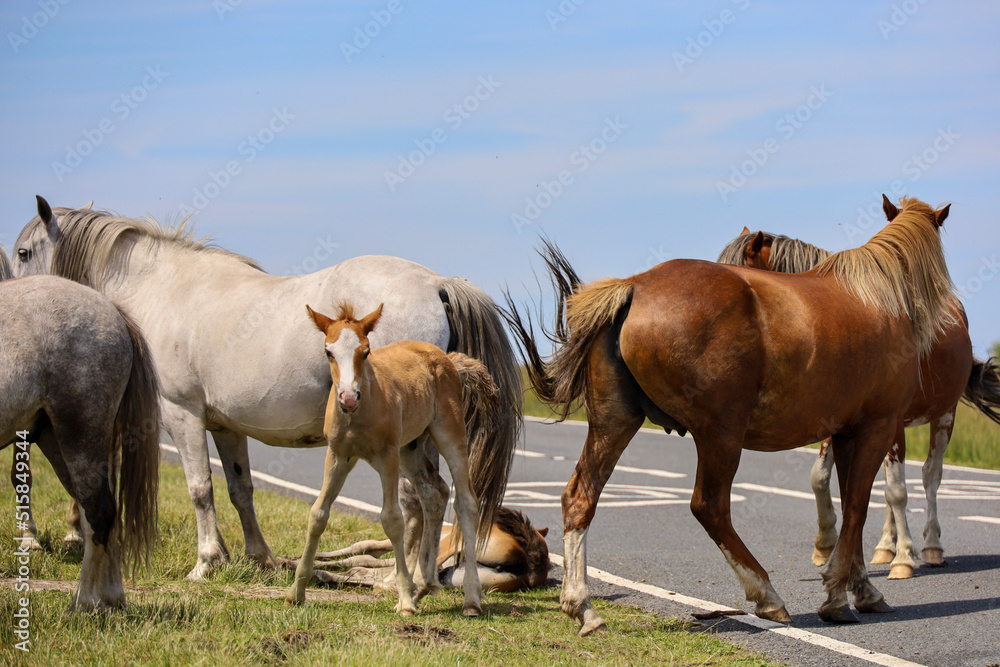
87,239
901,271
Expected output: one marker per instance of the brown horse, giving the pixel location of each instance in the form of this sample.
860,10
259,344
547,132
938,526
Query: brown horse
748,359
949,373
381,401
515,557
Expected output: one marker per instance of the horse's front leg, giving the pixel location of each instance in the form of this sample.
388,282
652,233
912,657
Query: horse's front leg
393,525
426,496
611,429
858,460
232,448
334,475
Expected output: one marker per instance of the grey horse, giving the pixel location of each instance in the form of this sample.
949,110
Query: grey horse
77,378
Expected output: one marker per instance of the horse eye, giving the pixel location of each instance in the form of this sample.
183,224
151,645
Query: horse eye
367,352
329,354
24,254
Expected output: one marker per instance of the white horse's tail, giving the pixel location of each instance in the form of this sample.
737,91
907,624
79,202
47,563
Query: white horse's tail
477,331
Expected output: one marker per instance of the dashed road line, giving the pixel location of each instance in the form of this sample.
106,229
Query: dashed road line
982,519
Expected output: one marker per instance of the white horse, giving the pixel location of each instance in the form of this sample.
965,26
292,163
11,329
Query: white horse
232,345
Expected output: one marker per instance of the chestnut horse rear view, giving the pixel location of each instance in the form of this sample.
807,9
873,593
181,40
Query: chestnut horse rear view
748,359
383,404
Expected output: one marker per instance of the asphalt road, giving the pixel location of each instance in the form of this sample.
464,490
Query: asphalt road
644,532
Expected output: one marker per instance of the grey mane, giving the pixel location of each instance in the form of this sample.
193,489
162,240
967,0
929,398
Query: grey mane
86,240
788,255
6,270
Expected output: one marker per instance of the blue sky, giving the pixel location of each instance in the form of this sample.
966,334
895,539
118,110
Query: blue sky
453,133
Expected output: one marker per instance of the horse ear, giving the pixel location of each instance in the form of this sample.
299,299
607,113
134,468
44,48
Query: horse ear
746,230
322,321
45,213
543,531
889,208
940,216
757,244
369,321
88,206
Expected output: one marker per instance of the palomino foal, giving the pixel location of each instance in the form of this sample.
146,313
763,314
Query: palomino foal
381,404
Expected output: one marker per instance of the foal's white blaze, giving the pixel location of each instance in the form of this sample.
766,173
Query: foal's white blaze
343,353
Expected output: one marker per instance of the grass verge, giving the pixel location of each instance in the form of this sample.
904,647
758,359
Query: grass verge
239,616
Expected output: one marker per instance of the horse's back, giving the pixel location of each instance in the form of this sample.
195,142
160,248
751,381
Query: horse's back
696,330
62,345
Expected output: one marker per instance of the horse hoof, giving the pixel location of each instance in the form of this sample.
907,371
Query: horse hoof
933,556
883,556
778,615
842,614
292,599
880,607
591,627
471,611
900,571
32,544
820,556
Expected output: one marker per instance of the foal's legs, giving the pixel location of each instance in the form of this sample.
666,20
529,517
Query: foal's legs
940,435
188,432
391,516
426,507
448,433
334,475
826,516
236,463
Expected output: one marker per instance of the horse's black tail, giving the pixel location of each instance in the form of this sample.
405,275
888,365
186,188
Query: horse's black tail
983,388
137,439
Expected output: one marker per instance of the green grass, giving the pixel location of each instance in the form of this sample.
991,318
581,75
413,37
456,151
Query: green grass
239,616
975,440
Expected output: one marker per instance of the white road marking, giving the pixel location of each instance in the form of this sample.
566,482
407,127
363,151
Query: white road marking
528,454
778,628
793,633
789,493
983,519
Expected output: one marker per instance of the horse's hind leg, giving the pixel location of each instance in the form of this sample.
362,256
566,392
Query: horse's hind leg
334,475
826,516
940,436
424,497
612,423
719,450
79,456
236,464
392,523
895,498
20,478
74,535
448,433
